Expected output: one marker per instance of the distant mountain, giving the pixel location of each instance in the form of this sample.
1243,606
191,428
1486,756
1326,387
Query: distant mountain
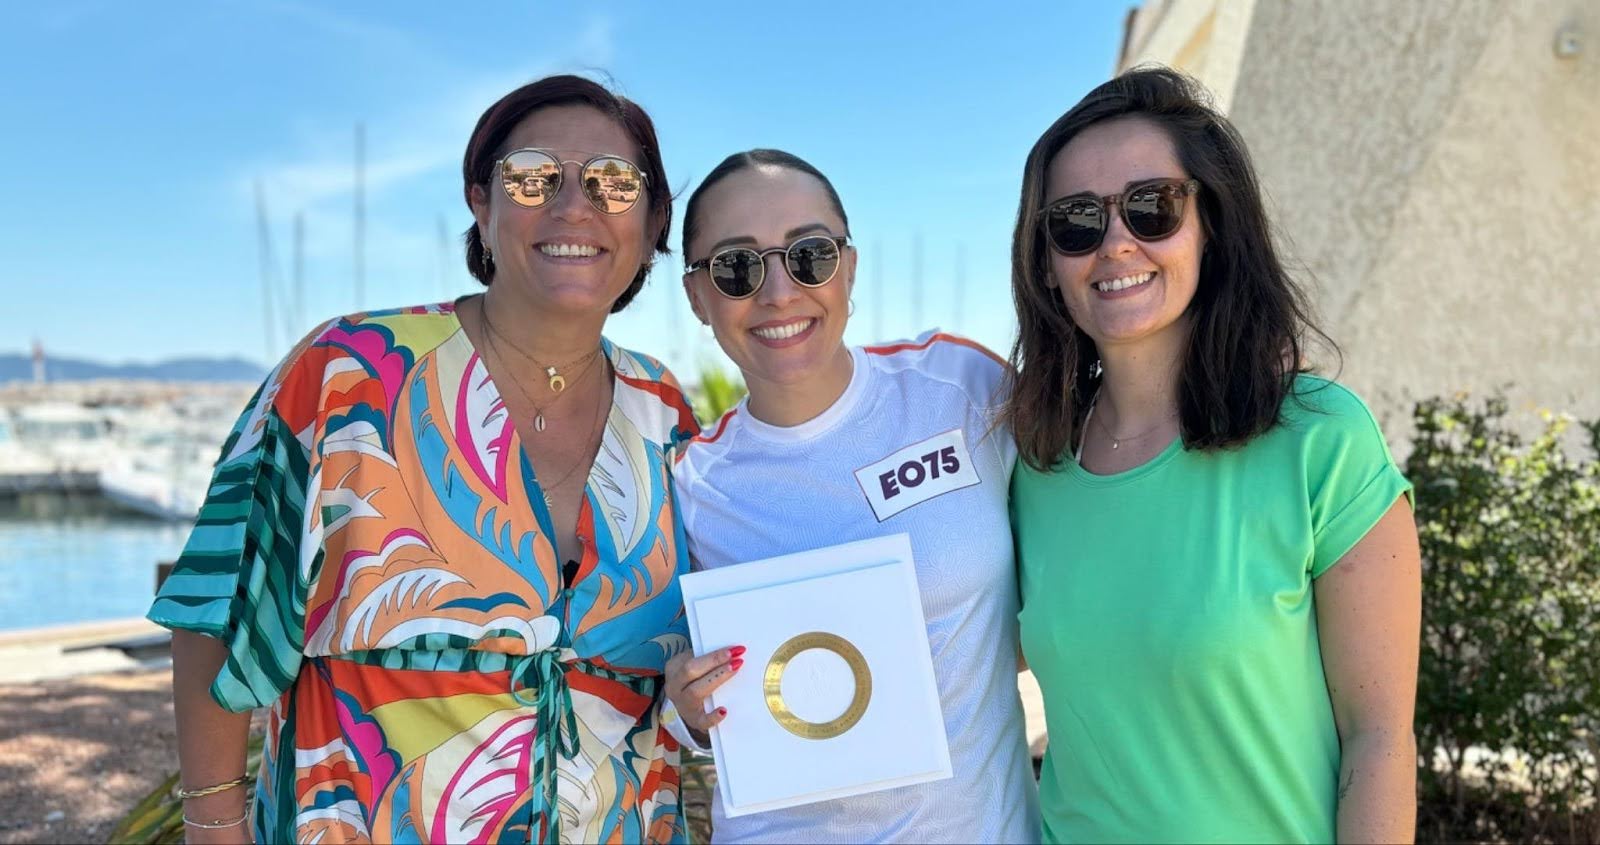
20,368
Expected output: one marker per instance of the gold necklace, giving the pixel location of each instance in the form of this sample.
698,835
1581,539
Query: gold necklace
558,383
538,411
1116,441
544,490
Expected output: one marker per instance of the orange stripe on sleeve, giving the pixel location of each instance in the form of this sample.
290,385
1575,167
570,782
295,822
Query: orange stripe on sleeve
890,349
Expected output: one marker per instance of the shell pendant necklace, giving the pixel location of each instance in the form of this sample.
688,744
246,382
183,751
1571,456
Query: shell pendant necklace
538,425
558,383
544,489
538,411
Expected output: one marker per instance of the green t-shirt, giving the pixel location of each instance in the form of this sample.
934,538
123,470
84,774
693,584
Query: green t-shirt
1168,615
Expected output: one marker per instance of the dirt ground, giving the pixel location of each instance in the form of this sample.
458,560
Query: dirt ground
76,753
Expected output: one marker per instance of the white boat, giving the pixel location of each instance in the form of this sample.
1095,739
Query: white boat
67,437
154,491
152,460
161,463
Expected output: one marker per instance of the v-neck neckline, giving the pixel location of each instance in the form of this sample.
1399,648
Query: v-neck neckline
531,488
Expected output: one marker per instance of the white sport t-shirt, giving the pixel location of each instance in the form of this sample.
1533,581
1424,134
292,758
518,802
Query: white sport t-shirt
918,418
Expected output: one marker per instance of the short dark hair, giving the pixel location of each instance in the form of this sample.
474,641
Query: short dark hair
1251,320
747,160
496,124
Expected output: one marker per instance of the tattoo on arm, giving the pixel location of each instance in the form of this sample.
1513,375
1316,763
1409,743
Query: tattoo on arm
1344,788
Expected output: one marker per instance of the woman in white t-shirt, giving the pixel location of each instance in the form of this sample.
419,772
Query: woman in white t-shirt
770,269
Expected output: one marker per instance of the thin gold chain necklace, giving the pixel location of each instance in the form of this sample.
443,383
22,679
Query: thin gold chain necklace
558,383
600,416
1116,442
544,489
538,410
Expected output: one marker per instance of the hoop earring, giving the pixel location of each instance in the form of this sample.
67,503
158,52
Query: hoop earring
852,311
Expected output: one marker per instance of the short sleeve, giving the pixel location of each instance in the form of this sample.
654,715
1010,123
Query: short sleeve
1352,477
239,577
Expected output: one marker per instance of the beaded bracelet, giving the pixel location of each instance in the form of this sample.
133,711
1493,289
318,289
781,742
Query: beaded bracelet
186,794
216,825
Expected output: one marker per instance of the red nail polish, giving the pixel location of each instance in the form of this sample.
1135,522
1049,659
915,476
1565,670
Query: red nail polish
722,711
737,662
736,651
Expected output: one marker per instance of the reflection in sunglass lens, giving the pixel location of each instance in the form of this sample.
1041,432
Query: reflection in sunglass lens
812,261
612,184
736,272
1075,225
1152,211
531,178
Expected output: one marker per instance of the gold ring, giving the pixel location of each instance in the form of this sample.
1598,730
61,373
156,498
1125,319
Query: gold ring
773,686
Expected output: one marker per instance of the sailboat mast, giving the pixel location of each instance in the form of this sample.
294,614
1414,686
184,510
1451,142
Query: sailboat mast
443,269
264,254
296,319
361,215
916,283
877,291
961,289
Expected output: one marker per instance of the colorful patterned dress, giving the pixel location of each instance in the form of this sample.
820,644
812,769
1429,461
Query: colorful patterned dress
375,554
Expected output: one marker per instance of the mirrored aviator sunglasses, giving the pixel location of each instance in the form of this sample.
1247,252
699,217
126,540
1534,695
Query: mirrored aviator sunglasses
738,272
532,178
1153,210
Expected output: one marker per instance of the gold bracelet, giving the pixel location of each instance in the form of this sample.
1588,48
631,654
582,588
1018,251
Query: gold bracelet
219,825
186,794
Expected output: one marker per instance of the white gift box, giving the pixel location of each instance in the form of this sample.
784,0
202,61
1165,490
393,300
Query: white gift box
849,705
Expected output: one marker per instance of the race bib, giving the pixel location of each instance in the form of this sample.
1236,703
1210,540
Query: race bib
917,473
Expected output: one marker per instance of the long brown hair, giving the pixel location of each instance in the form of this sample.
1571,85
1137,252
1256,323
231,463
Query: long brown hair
496,123
1251,320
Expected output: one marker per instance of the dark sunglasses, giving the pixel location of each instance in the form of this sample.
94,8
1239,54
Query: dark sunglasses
532,177
1153,210
738,272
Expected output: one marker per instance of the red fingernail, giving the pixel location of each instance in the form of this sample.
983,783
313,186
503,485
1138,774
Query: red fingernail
737,662
722,711
736,651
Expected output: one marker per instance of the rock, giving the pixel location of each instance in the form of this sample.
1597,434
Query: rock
54,816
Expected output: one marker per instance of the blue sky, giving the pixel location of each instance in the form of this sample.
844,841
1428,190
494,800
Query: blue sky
179,108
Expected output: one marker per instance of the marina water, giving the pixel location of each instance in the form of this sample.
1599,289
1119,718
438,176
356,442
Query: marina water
77,558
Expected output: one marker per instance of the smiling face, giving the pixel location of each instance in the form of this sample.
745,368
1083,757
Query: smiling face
566,256
785,335
1127,291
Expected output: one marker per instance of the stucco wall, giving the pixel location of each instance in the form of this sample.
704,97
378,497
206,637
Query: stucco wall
1436,168
1204,37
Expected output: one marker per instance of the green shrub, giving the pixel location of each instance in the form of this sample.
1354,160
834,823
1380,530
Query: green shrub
717,392
158,817
1508,698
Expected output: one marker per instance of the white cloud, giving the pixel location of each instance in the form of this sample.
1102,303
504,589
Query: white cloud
413,146
411,138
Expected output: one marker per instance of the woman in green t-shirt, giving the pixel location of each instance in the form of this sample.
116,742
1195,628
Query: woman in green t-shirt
1219,568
